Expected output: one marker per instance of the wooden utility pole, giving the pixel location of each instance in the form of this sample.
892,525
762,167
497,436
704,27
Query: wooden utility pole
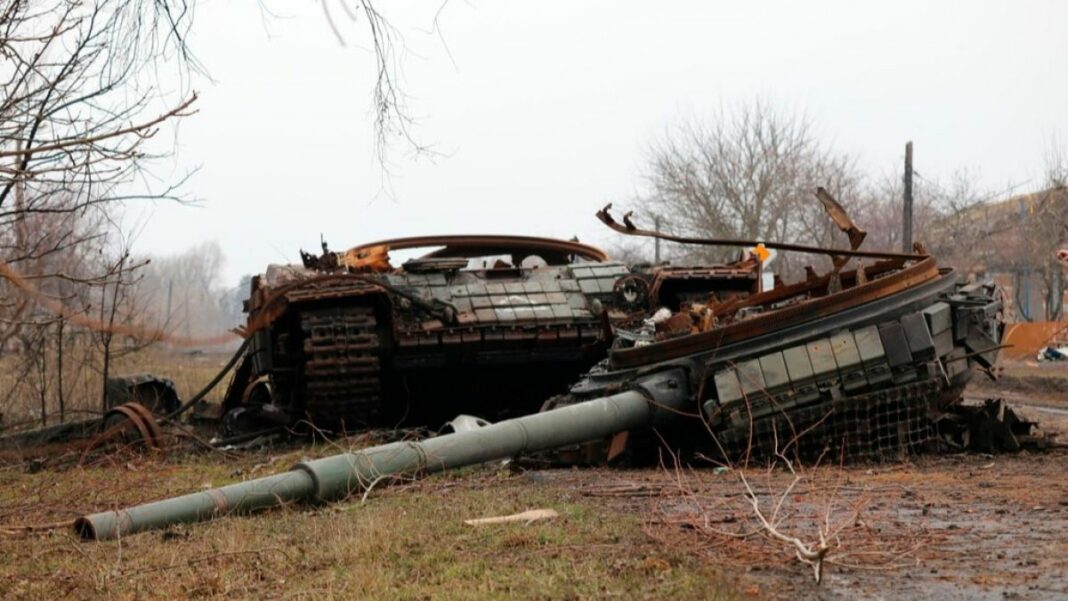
906,212
170,295
656,241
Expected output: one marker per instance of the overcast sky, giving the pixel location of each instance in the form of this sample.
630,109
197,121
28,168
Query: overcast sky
545,110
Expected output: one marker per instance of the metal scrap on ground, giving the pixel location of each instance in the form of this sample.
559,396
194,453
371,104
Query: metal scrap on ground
136,405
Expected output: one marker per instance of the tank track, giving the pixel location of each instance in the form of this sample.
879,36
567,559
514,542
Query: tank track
883,424
342,366
890,423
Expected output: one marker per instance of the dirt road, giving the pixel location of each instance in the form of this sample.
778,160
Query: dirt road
961,527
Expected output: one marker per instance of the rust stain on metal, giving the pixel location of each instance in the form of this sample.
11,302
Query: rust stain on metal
129,425
120,420
841,218
629,228
799,312
374,256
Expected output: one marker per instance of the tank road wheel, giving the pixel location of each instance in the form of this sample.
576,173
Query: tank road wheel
342,366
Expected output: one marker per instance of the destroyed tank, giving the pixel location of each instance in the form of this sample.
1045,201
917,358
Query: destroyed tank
861,364
867,363
491,325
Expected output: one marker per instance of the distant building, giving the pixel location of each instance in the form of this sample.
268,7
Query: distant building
1015,242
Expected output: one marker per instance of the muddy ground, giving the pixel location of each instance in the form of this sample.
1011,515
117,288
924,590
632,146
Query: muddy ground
961,527
964,526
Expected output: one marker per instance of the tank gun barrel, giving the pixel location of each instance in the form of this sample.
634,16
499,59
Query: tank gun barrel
335,477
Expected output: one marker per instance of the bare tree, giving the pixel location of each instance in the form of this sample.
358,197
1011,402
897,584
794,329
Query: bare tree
1050,230
983,233
182,292
392,117
880,208
76,110
950,220
1032,248
748,173
78,103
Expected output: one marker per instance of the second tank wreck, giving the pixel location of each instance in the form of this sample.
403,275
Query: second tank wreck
491,325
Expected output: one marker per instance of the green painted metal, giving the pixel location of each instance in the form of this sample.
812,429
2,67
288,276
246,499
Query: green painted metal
333,478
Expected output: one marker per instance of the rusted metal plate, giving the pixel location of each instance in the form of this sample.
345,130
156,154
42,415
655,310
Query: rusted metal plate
552,251
630,229
799,312
1025,340
841,218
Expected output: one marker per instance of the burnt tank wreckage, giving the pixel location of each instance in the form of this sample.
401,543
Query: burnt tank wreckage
867,363
862,363
491,325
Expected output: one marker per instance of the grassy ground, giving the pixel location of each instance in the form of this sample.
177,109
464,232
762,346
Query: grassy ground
965,527
962,527
407,542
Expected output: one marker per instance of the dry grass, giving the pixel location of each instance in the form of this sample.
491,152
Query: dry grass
20,391
408,542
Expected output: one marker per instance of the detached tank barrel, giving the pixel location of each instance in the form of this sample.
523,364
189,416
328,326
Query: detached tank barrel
333,478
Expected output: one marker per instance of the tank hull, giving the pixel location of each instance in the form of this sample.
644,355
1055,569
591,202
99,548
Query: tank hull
443,334
864,373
